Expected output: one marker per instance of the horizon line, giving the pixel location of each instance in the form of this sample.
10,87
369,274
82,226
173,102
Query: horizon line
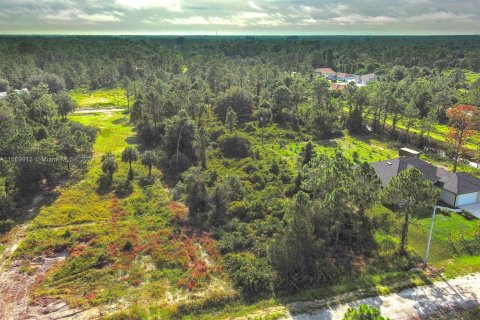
238,34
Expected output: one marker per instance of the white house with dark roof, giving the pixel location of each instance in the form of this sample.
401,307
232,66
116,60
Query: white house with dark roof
459,190
332,75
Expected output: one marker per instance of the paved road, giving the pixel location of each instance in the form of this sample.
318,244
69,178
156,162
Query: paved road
414,303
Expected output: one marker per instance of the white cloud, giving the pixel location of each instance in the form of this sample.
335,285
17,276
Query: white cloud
197,20
98,17
170,5
440,16
242,19
254,6
413,16
357,19
337,8
306,8
307,22
75,15
62,15
249,18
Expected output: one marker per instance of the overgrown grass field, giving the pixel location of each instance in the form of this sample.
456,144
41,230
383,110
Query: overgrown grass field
102,98
122,242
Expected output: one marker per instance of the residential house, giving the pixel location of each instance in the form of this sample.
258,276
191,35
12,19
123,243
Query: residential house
343,77
365,79
325,72
459,190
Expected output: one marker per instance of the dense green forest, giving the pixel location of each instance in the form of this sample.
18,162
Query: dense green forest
248,137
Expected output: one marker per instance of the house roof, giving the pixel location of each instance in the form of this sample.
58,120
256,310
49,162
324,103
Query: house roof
345,75
458,183
388,169
368,77
325,71
337,86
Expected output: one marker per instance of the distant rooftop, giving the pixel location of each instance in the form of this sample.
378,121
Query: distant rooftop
325,71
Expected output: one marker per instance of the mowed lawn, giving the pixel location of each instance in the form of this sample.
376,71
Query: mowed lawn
102,98
454,255
452,237
439,133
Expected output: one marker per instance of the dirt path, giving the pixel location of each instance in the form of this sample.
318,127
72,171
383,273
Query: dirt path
18,233
18,276
415,303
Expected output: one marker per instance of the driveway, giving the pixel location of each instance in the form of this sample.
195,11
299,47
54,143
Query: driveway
415,303
473,209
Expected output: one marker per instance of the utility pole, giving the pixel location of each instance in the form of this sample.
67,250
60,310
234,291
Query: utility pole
425,259
430,235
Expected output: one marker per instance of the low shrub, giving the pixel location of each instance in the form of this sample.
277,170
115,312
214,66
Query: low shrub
363,312
253,276
235,146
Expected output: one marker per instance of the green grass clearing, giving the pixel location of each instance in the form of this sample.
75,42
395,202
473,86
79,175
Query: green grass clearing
100,98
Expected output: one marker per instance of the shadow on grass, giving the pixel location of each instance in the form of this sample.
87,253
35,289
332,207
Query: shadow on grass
124,189
132,140
104,185
123,121
35,204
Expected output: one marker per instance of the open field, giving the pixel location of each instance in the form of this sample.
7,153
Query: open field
100,98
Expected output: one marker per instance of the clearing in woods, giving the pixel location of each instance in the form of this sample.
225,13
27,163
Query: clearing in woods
100,246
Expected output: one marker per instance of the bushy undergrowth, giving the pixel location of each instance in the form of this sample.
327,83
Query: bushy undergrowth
122,242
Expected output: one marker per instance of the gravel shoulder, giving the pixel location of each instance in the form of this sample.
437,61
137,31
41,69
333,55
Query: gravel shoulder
414,303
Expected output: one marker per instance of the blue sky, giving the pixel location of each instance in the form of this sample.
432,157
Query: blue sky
239,17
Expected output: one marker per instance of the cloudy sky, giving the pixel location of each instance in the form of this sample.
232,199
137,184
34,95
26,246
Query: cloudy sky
240,17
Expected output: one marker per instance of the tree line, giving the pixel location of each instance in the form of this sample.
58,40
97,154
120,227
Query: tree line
38,145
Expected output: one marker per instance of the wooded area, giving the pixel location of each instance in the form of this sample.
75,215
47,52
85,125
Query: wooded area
239,128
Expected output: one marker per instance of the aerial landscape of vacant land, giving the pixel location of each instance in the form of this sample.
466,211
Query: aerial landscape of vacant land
257,160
